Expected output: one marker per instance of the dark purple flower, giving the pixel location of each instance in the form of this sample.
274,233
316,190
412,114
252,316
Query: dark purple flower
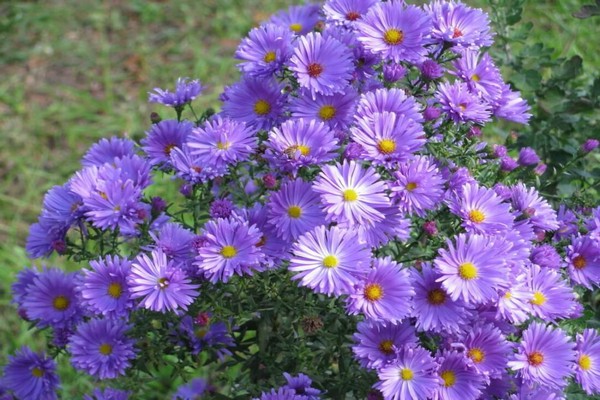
528,203
589,145
430,113
393,100
193,390
185,92
430,228
528,156
221,208
430,70
376,343
163,137
43,240
202,333
31,376
106,150
419,186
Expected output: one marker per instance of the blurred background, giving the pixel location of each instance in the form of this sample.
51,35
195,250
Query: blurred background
73,71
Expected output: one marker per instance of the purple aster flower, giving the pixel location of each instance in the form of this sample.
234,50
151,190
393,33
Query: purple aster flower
376,343
480,74
163,137
457,181
545,356
101,348
567,223
185,92
231,248
193,168
299,19
265,50
587,368
473,268
193,390
353,151
346,12
220,142
546,256
395,31
460,104
336,110
376,234
430,70
481,210
221,208
394,72
550,297
590,145
300,142
459,24
258,102
322,64
301,384
409,377
106,150
351,193
511,106
528,156
388,138
161,283
393,100
25,277
499,151
107,394
43,239
175,242
458,379
61,208
433,307
419,186
508,164
202,333
117,205
583,260
528,203
104,289
52,299
133,168
329,261
282,393
431,113
31,376
384,294
488,349
294,209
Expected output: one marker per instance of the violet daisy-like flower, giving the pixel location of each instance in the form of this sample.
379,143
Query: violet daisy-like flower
185,92
409,377
384,294
460,104
336,110
43,239
434,309
587,368
301,384
294,209
419,186
265,50
116,205
300,142
567,223
346,12
480,74
459,24
546,256
222,141
175,241
329,261
481,210
231,248
61,209
513,303
528,203
24,278
106,150
351,193
393,100
192,390
161,283
376,342
458,380
163,137
375,234
550,296
193,168
388,138
101,348
52,299
583,260
322,64
488,349
203,333
104,289
511,106
473,268
283,393
298,19
395,31
107,394
31,376
258,102
545,356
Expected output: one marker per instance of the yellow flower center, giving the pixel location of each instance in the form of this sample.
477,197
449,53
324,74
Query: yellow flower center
327,112
296,27
350,195
467,271
538,299
330,261
406,374
476,216
115,290
386,346
294,212
535,358
38,373
262,107
449,378
475,78
436,297
291,151
223,145
106,349
228,251
373,292
507,295
393,36
410,186
61,303
579,262
386,146
476,355
585,362
269,57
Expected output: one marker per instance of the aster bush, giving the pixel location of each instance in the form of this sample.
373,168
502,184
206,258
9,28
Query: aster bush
338,230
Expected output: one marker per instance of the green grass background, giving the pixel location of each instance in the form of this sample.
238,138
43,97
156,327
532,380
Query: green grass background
73,71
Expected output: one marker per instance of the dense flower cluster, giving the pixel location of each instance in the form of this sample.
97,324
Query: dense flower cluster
348,154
